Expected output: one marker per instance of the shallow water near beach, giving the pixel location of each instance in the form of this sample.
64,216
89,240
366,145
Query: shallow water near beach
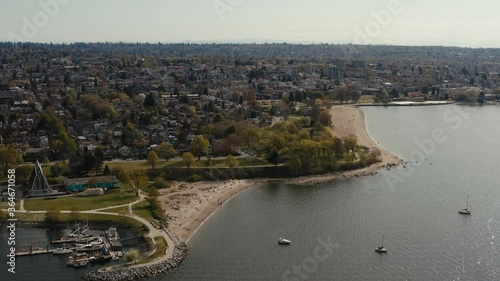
335,227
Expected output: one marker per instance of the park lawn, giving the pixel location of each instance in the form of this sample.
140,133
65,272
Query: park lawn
366,99
28,217
143,210
127,187
109,199
119,210
5,205
221,163
160,250
136,165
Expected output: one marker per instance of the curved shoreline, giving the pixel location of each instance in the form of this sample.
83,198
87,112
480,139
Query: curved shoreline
209,216
190,205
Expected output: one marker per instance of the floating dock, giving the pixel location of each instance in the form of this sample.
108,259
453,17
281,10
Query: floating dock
75,240
33,253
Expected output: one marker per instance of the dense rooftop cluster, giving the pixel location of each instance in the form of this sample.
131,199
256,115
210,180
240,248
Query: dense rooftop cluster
122,100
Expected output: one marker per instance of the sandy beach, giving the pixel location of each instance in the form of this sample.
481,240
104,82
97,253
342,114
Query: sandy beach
189,205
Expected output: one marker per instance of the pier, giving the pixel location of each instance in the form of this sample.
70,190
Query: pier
33,252
75,240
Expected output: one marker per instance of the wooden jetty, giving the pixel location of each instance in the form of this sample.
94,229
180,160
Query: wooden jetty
34,252
75,240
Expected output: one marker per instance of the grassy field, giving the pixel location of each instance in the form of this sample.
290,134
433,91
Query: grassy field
160,249
143,210
221,163
366,99
217,163
135,165
119,210
111,198
4,205
26,217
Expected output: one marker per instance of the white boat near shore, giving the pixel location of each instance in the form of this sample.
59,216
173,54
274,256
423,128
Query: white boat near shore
284,241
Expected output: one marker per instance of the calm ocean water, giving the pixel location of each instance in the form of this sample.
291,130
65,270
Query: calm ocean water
335,227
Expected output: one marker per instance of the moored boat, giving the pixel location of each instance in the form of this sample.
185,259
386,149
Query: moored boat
77,260
381,249
62,251
465,211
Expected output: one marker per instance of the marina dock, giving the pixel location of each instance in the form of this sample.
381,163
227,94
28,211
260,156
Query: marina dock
75,240
33,253
107,245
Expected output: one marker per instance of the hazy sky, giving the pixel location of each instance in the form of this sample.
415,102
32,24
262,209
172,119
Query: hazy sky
399,22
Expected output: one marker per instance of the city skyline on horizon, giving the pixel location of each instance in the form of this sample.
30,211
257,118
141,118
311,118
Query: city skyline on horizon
379,22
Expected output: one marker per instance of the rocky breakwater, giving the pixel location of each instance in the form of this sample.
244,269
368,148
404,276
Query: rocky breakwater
179,255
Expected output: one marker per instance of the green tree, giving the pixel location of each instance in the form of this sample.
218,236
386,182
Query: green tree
355,96
325,118
131,255
307,152
57,146
160,183
232,162
295,166
350,143
338,147
9,156
153,159
271,143
199,146
24,171
481,97
166,151
274,158
217,118
251,136
53,214
121,175
149,101
188,159
60,169
106,170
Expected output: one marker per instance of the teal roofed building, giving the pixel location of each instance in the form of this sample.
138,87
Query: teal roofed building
80,184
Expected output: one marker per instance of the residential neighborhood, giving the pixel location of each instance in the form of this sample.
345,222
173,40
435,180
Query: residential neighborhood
119,101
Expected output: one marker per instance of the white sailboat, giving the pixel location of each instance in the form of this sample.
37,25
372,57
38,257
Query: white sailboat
381,249
284,241
465,211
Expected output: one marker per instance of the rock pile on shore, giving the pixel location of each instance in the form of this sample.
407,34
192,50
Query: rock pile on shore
180,254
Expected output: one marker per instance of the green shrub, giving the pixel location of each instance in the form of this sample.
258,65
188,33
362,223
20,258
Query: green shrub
194,178
52,180
161,183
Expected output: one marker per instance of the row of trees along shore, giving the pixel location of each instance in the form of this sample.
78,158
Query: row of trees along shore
304,145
